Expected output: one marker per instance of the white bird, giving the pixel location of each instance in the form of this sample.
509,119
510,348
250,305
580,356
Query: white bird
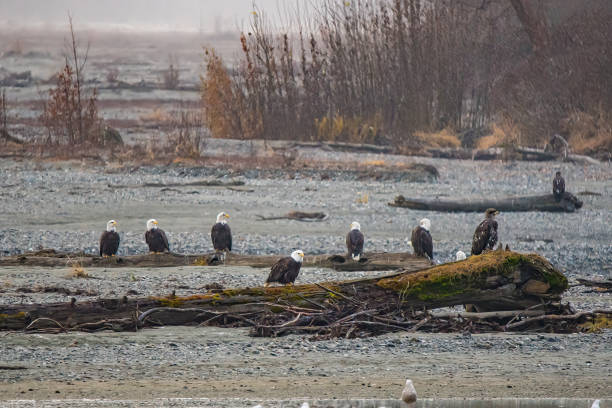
460,255
409,395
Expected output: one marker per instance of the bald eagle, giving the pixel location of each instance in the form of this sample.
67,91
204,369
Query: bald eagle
156,238
286,270
485,236
421,239
109,240
558,186
221,234
354,241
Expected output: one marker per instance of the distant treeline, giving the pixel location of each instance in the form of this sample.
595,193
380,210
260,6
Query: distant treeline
381,71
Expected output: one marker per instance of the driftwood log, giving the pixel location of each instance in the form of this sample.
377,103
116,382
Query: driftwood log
370,262
569,203
498,280
199,183
297,216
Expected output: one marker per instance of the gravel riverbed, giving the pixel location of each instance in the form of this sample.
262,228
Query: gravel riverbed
65,206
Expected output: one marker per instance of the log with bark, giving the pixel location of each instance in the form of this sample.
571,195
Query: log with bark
369,262
497,280
198,183
569,203
297,216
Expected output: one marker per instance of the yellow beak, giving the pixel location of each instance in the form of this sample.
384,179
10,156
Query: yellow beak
302,255
226,215
155,222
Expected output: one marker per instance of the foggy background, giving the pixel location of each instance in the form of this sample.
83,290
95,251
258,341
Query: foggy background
206,16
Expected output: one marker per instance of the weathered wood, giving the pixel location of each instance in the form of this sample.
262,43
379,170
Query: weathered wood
569,203
496,281
199,183
297,216
369,262
600,285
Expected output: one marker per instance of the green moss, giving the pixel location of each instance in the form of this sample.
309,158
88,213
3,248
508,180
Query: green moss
20,315
458,278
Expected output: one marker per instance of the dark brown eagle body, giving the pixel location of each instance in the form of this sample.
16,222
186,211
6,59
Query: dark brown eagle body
157,240
558,186
485,236
285,270
221,236
109,243
354,243
422,242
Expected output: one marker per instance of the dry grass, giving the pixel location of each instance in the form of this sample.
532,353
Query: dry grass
503,133
362,198
77,271
375,163
158,116
589,133
441,139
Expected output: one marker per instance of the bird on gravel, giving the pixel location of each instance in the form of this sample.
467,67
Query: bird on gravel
409,395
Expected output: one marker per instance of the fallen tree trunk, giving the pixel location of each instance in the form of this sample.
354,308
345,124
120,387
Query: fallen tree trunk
498,280
369,262
297,216
569,203
199,183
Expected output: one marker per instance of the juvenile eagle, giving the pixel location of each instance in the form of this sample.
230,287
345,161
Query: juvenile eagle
485,236
109,240
354,241
421,239
286,270
221,234
558,186
156,238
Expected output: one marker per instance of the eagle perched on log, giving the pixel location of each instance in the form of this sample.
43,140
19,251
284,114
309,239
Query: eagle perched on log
421,239
558,186
109,240
485,236
156,238
354,241
221,234
286,270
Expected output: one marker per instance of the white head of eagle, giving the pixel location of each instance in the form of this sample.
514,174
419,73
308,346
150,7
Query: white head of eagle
152,224
355,226
298,256
460,255
222,217
425,224
111,226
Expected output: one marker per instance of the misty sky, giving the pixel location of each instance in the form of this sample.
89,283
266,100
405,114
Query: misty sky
184,15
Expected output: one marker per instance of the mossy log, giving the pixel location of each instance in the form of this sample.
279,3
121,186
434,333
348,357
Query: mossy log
498,280
369,262
569,203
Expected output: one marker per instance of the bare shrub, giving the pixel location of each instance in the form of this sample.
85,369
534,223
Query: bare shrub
170,77
187,134
70,114
564,86
222,107
112,75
